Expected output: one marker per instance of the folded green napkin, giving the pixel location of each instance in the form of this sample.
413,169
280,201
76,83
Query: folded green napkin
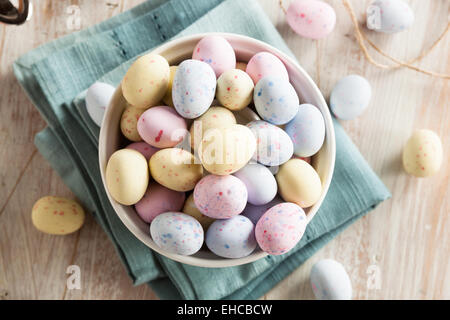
55,77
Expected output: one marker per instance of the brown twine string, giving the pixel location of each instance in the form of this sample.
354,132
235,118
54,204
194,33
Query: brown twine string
361,37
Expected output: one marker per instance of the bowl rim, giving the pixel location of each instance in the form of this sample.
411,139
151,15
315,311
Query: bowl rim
256,255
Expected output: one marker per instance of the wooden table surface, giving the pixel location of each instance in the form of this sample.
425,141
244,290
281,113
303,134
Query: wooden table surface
399,251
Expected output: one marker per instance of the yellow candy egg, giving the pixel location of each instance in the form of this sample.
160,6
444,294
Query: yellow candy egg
167,99
146,81
234,89
175,169
128,123
241,66
55,215
299,183
226,150
422,154
215,117
127,176
190,209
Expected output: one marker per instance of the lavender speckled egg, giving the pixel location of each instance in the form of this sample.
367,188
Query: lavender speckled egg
193,88
275,100
231,238
273,145
260,182
177,233
280,228
330,281
389,16
144,148
265,64
350,97
254,213
306,130
217,52
158,199
162,127
220,197
97,100
311,18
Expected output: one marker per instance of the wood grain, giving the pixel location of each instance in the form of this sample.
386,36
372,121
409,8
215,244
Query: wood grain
406,238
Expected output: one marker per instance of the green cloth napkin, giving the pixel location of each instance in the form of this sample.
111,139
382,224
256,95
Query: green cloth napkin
55,77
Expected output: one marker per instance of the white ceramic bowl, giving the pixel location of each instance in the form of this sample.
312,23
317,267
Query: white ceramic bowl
176,51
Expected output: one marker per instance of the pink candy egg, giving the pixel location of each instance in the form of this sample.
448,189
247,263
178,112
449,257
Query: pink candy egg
265,64
144,148
217,52
311,18
158,199
162,127
220,197
280,228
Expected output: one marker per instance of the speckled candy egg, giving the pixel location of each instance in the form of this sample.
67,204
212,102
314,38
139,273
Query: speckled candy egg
215,117
98,97
128,123
311,18
254,213
144,148
191,209
220,197
350,97
226,150
330,281
280,228
176,169
127,176
217,52
389,16
158,199
275,100
260,182
55,215
193,89
146,81
231,238
234,89
176,232
306,130
422,154
265,64
162,127
167,99
299,183
273,145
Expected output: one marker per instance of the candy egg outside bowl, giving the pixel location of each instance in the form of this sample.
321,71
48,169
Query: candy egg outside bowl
245,47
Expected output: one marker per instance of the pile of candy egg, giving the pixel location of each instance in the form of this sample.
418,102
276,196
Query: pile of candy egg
195,174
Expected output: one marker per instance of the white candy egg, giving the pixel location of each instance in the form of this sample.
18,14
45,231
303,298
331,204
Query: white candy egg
231,238
330,281
389,16
193,88
260,182
350,97
98,97
273,145
306,130
275,100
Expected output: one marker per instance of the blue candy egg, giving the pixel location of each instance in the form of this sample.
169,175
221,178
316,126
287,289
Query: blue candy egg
350,97
255,212
260,182
193,88
231,238
275,100
176,232
306,130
